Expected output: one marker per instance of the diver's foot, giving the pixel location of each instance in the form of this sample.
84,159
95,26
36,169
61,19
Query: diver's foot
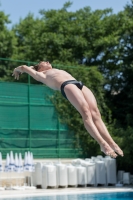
116,148
108,150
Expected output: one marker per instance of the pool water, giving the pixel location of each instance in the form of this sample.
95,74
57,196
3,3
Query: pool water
98,196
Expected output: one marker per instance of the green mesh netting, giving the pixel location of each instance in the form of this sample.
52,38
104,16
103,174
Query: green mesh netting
28,121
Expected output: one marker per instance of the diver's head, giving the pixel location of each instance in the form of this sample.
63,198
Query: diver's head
42,66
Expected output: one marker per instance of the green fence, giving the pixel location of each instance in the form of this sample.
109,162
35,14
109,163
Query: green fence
28,120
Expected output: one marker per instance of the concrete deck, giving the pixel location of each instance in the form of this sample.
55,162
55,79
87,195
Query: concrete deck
61,191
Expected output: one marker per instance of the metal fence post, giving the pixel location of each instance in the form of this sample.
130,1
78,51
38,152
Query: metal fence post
58,137
29,110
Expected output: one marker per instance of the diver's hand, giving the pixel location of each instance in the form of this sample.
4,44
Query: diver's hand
17,71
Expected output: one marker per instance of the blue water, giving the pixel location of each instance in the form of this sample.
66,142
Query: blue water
99,196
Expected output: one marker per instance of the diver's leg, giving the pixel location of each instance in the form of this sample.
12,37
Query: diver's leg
76,98
96,116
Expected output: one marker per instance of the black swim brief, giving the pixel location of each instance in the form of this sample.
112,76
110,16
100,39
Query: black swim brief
79,84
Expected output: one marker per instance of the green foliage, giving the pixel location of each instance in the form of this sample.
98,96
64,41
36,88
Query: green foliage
7,45
67,37
119,73
125,139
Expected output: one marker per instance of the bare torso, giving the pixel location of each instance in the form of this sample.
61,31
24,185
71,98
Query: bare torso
53,78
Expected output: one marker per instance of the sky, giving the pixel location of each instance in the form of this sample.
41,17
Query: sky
20,8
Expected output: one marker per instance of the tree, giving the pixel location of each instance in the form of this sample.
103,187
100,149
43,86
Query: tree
123,98
120,92
7,45
67,37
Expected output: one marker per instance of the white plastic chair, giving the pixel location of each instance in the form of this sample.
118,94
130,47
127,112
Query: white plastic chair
110,164
100,173
61,170
72,175
81,176
126,178
37,174
120,176
91,174
99,157
49,176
